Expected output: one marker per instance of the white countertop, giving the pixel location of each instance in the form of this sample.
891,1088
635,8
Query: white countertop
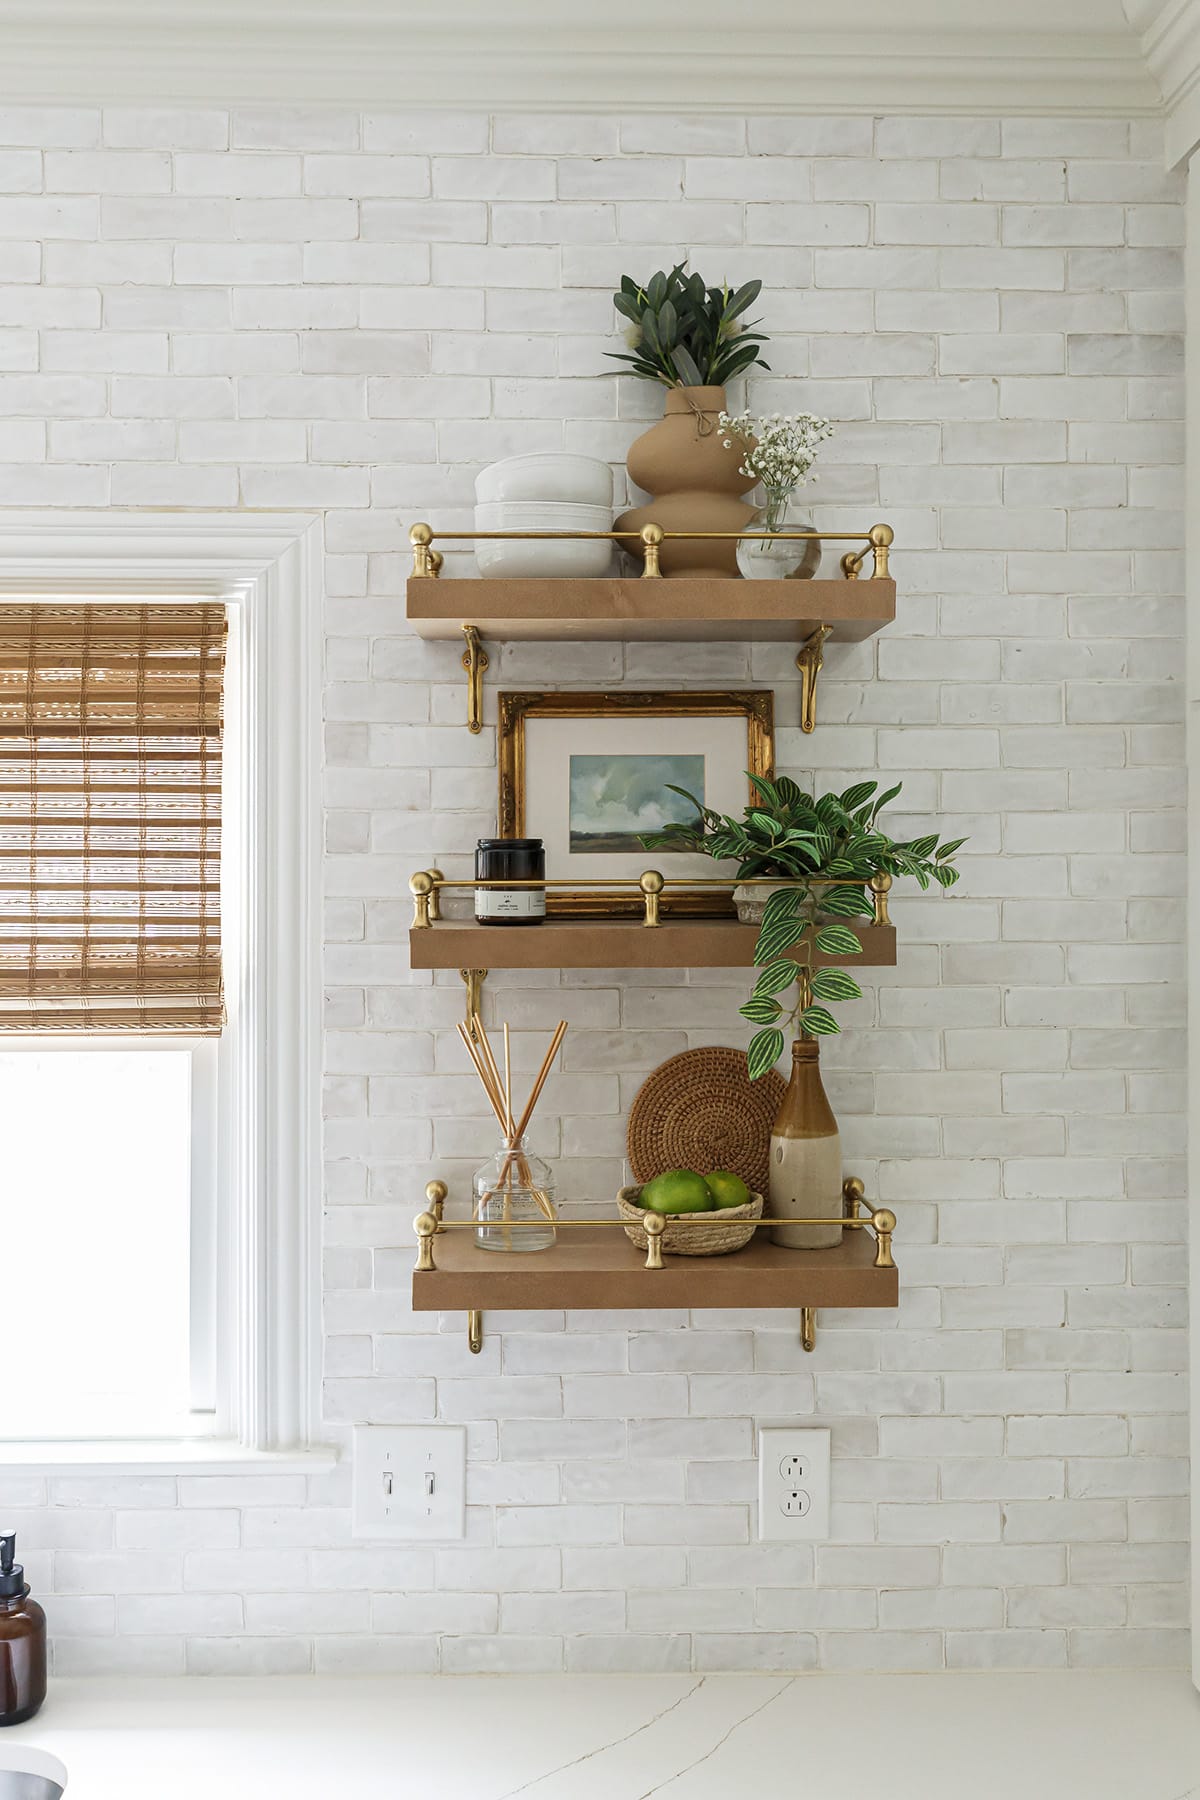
1110,1735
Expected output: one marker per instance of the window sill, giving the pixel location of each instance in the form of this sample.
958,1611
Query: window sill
184,1456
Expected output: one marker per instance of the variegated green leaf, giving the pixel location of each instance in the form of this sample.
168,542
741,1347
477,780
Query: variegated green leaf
780,905
818,1022
760,1009
847,903
835,984
838,940
777,976
766,1048
774,939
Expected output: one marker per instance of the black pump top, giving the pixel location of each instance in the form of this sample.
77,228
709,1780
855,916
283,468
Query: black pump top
12,1575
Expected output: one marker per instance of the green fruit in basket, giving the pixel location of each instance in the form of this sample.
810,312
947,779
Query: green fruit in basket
727,1189
677,1191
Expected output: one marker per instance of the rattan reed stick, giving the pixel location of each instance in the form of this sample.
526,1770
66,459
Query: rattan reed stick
499,1093
508,1077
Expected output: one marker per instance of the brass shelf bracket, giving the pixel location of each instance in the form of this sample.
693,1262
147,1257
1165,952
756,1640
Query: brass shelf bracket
474,661
474,980
810,661
808,1328
475,1332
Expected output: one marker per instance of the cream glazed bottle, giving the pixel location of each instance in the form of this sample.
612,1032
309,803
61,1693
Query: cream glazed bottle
806,1158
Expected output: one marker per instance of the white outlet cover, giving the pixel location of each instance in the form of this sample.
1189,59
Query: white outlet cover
793,1483
410,1482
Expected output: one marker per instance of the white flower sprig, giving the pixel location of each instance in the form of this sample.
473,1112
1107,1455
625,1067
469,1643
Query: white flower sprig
778,449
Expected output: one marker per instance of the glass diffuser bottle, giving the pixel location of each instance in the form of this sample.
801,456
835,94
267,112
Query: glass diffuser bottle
806,1158
514,1188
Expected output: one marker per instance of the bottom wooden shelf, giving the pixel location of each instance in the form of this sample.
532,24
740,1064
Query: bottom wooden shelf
601,1268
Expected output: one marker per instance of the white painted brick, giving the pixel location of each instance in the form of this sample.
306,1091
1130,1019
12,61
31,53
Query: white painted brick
1065,137
49,125
31,217
21,172
399,176
165,128
107,172
1022,698
1006,1649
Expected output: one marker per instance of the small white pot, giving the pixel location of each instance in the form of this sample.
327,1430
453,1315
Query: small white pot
751,900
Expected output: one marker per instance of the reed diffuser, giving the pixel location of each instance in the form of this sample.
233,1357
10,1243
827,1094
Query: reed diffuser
514,1188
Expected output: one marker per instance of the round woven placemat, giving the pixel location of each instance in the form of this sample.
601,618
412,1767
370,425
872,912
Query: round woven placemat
701,1111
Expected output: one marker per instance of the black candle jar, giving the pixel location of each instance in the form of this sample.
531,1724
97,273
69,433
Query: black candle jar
510,859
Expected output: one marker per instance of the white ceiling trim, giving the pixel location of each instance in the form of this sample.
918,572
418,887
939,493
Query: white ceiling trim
1170,37
550,65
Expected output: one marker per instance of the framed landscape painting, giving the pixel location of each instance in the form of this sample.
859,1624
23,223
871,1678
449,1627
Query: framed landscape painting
590,772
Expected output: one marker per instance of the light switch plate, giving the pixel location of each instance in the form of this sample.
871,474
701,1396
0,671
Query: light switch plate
410,1482
793,1483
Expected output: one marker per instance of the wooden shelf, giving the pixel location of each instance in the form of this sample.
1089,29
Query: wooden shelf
616,944
700,610
601,1268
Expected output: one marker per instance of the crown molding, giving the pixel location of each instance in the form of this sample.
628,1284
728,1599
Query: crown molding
765,60
1169,31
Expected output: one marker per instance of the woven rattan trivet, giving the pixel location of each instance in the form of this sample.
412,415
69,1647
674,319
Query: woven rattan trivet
701,1111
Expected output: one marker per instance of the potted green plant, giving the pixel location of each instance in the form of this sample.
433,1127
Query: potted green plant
691,338
823,853
685,333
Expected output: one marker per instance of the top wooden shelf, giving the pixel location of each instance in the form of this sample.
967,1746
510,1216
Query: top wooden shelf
700,610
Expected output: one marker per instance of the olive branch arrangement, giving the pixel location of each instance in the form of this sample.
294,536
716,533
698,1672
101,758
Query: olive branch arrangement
686,334
827,850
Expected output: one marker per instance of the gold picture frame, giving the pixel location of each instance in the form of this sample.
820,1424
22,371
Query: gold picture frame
518,711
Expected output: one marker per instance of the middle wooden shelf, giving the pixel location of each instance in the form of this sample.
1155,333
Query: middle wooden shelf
603,943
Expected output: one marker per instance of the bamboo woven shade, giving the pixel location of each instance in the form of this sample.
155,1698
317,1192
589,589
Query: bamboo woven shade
110,817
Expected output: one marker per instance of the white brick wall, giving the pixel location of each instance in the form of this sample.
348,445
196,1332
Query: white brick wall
282,309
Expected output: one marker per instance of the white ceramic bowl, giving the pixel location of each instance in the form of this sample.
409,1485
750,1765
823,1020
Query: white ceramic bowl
543,557
541,515
547,475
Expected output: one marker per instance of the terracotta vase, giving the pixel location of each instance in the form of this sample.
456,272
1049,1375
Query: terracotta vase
806,1158
696,482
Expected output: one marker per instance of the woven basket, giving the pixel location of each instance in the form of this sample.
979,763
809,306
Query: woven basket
693,1234
701,1111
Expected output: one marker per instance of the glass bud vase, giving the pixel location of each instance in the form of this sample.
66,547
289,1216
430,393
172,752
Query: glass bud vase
764,558
514,1200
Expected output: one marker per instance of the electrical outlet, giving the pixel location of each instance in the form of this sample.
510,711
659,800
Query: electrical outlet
410,1482
793,1483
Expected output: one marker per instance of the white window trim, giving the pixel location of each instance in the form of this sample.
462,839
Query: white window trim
271,1159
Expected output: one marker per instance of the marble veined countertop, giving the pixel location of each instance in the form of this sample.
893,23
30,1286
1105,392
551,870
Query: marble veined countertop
1103,1735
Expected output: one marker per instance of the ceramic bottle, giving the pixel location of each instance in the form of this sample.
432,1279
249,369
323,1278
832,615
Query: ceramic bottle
806,1158
696,482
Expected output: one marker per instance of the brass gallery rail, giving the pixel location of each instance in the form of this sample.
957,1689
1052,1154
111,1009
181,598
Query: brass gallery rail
877,541
427,885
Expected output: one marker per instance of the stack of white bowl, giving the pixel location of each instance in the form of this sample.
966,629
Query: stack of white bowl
548,491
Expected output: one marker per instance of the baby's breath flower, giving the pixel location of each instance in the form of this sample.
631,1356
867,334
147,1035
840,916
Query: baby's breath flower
778,449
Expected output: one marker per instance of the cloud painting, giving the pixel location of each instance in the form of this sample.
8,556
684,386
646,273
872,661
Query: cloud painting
614,798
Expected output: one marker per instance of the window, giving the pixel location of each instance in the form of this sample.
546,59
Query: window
158,831
110,996
101,1322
